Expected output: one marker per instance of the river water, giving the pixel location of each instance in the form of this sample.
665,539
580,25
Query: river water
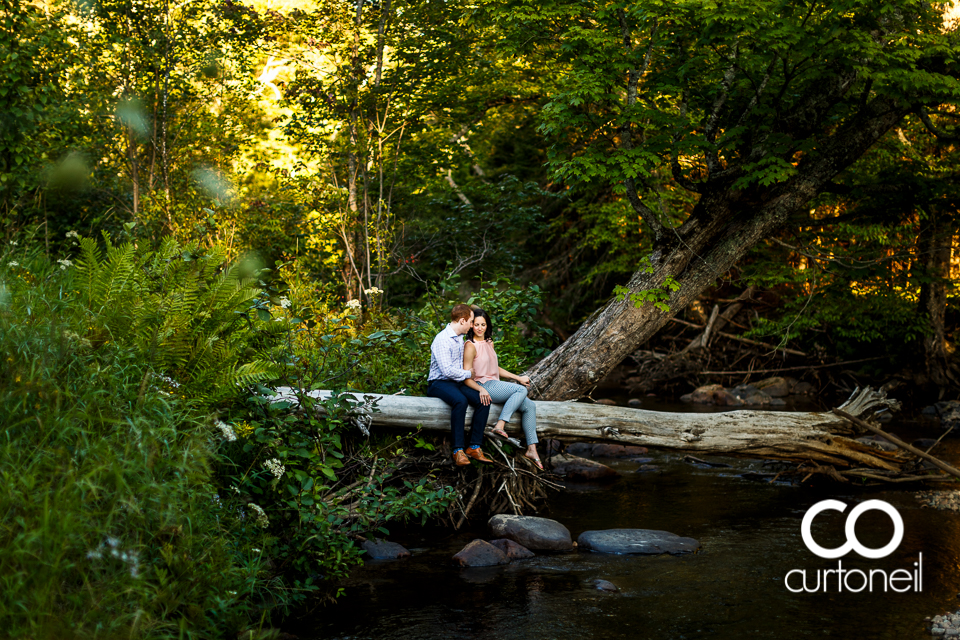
733,588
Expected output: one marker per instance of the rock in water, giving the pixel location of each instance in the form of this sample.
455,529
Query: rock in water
605,585
617,451
574,468
775,387
580,448
642,541
538,534
480,553
512,550
384,550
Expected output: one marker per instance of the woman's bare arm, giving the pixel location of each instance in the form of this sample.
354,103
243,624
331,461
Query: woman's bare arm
506,375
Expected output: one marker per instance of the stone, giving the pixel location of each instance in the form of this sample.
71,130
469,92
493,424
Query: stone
775,387
757,399
929,411
384,550
617,451
641,541
712,394
803,389
576,468
951,633
936,631
640,460
580,449
877,443
480,553
607,401
647,467
549,447
636,403
605,585
536,534
513,550
778,402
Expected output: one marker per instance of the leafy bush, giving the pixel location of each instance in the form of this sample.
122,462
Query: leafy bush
109,525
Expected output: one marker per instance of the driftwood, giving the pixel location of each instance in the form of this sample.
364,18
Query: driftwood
821,437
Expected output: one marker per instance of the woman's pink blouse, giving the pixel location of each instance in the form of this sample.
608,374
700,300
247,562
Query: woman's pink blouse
485,365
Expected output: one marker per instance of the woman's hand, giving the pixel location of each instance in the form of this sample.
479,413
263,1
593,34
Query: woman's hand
524,380
485,398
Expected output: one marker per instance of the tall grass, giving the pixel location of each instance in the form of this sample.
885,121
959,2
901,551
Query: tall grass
108,526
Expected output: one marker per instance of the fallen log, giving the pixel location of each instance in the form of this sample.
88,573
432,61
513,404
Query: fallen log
814,436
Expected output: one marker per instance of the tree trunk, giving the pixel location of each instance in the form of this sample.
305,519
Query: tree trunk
802,437
935,244
724,225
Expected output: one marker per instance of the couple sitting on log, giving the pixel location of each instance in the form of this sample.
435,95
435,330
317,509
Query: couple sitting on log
467,373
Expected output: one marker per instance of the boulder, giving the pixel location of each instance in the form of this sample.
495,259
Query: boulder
641,541
804,389
549,447
480,553
537,534
634,403
580,449
775,387
575,468
757,399
712,394
512,550
605,585
384,550
617,451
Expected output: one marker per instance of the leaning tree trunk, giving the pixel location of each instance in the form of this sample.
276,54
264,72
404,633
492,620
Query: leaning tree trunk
724,225
799,437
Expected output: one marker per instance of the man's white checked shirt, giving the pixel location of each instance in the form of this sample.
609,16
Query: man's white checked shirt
446,357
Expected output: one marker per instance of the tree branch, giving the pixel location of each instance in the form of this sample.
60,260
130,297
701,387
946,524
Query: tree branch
932,128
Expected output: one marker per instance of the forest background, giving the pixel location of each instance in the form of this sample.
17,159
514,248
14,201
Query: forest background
203,200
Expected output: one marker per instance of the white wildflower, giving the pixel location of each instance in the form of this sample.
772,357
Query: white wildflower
353,304
260,514
64,263
13,263
372,292
273,466
256,550
73,234
14,243
285,302
129,558
227,431
170,381
235,490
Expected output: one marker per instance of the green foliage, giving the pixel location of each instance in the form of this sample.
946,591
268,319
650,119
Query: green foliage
300,469
188,312
109,526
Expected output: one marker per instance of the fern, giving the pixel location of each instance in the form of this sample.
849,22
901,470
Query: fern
187,312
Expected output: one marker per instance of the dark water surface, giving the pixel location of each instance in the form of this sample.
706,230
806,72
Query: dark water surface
733,588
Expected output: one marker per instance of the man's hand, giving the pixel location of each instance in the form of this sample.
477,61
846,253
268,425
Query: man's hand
524,380
485,398
473,374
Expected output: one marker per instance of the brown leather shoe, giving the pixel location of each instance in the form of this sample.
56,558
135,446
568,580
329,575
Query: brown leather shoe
461,459
478,455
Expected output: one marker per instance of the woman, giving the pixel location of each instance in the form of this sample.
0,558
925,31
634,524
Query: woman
479,355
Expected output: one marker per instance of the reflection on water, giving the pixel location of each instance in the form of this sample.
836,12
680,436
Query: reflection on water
734,588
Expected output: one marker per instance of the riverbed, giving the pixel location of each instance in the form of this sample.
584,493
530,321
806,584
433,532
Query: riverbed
733,588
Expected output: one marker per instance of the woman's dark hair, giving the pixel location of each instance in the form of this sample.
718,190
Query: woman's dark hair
480,313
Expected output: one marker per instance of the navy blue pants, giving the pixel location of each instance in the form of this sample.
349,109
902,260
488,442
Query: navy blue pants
459,396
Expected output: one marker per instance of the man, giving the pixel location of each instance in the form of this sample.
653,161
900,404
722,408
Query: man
446,382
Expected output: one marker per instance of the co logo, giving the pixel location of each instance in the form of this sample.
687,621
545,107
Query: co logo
852,543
